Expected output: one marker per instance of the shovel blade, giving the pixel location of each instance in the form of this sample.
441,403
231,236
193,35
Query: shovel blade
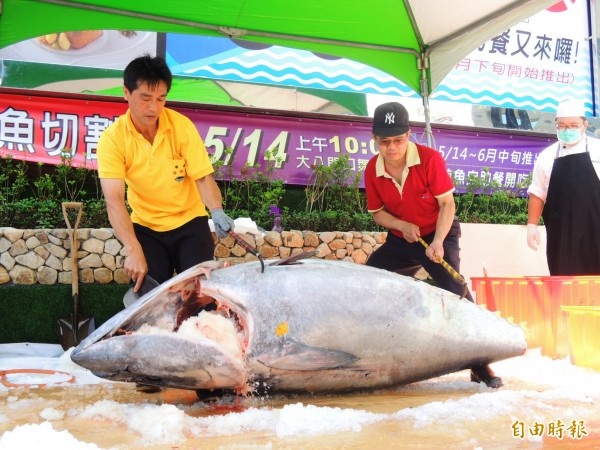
72,332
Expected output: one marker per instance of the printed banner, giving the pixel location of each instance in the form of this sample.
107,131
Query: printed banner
222,59
40,129
532,65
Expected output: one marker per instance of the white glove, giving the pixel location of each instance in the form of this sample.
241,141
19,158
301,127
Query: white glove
533,236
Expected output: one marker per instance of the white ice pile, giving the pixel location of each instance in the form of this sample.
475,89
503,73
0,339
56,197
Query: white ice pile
42,436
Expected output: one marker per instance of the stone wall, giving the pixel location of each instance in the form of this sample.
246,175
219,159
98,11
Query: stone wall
43,256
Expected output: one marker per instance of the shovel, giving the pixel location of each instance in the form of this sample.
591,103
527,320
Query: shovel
74,328
457,276
131,297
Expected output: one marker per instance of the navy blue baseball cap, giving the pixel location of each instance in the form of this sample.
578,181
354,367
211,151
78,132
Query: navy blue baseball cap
390,119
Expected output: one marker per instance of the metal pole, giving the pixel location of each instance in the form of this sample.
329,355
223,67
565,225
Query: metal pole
424,63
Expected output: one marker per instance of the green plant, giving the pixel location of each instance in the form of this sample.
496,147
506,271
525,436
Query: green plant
334,187
487,201
316,188
95,215
255,191
13,179
31,196
44,187
71,180
31,213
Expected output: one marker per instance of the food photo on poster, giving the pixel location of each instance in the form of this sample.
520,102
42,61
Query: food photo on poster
107,49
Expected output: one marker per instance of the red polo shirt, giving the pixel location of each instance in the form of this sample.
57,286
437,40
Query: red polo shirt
415,199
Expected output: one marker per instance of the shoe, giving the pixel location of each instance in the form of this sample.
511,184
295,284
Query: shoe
147,388
486,375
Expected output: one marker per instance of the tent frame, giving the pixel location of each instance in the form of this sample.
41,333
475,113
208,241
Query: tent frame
457,42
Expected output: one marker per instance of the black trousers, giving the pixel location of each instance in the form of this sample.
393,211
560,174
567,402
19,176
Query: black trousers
397,254
176,250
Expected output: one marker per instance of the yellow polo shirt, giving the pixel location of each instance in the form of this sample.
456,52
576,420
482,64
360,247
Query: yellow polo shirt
160,177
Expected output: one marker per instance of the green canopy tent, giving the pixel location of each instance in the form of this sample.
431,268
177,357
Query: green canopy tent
416,41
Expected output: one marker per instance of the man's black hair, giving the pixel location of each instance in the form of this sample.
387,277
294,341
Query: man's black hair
148,69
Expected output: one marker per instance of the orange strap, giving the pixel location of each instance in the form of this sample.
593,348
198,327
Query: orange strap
7,383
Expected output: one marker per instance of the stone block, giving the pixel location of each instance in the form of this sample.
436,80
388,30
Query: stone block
23,275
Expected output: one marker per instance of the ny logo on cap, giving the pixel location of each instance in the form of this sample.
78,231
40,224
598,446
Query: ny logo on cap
390,118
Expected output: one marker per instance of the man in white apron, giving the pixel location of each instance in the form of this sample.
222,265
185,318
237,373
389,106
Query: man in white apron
565,192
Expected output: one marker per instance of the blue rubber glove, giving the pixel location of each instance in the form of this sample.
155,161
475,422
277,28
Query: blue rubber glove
222,222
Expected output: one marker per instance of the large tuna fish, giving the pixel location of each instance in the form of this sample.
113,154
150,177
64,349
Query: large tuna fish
309,326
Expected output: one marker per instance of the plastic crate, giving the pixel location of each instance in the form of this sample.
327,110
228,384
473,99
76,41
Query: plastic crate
584,335
567,291
521,298
536,300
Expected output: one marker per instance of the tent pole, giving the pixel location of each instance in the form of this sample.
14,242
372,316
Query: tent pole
424,64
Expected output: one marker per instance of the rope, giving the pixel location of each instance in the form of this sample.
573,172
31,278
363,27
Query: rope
8,384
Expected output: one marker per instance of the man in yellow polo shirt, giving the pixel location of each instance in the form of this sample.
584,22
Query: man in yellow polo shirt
159,155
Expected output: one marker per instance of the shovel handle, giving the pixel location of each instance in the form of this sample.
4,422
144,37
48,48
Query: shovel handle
79,207
446,266
73,232
73,238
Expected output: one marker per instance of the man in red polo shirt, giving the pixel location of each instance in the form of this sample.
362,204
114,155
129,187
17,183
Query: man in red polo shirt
410,192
